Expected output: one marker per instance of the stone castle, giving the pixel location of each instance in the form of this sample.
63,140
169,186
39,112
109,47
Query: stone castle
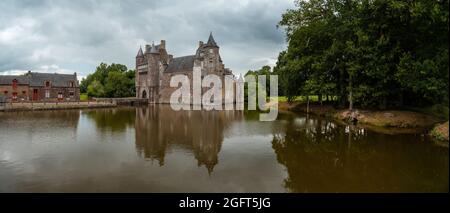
154,68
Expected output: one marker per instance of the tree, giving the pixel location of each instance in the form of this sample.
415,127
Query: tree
111,81
370,53
96,89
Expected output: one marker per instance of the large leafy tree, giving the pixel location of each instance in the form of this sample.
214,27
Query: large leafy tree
112,81
372,53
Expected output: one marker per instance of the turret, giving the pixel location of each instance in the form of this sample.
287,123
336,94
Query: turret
211,42
140,54
211,55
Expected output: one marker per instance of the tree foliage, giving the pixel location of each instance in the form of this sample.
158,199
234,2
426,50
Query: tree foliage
112,81
374,53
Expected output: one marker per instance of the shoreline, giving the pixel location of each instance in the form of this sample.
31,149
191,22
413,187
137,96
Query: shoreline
40,106
385,121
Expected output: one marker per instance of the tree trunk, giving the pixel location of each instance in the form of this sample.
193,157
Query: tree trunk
307,104
350,94
341,97
320,99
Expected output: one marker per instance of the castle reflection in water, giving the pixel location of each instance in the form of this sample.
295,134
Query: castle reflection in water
199,131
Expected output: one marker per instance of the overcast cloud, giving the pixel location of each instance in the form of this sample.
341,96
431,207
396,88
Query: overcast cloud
75,36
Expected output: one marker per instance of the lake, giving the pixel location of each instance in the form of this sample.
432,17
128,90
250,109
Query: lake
155,149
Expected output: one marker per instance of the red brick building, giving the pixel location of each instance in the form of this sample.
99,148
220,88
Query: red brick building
34,86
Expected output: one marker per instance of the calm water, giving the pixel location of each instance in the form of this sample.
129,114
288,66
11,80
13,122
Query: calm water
154,149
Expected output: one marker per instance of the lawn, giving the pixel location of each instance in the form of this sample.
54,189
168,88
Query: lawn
83,97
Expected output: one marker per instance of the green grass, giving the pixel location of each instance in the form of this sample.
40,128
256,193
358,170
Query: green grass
84,97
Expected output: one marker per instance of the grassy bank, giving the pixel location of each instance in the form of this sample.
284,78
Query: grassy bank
30,106
440,132
84,97
400,121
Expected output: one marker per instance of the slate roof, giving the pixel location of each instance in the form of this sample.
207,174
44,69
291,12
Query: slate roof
181,64
211,41
7,79
57,80
148,49
38,79
140,53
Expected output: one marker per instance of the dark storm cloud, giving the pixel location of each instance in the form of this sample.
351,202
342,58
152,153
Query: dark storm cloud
72,36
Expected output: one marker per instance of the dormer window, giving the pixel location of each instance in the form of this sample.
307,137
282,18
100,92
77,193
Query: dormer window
14,84
71,84
47,84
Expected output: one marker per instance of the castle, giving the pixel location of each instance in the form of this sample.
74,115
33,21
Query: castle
155,67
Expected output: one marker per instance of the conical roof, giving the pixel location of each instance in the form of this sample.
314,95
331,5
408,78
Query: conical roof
211,41
140,53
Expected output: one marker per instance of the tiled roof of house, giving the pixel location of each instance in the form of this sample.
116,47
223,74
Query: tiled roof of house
35,79
8,79
57,80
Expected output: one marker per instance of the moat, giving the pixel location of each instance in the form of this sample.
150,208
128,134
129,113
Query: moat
155,149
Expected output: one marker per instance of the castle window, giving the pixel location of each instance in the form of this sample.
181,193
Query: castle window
6,92
47,93
211,63
14,96
210,50
24,92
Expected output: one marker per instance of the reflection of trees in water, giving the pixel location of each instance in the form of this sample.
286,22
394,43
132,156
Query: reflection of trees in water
158,127
62,123
321,156
115,119
65,118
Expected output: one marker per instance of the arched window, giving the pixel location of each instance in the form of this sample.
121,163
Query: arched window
47,84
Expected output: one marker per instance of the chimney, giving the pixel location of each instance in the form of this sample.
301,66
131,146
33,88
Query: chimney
147,48
200,43
170,58
163,44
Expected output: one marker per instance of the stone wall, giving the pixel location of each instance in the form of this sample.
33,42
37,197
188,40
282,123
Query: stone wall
21,90
25,93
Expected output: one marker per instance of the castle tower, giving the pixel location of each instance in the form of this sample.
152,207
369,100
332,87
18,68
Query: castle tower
212,60
154,64
140,69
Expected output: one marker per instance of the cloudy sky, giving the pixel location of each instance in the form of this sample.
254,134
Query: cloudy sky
75,36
